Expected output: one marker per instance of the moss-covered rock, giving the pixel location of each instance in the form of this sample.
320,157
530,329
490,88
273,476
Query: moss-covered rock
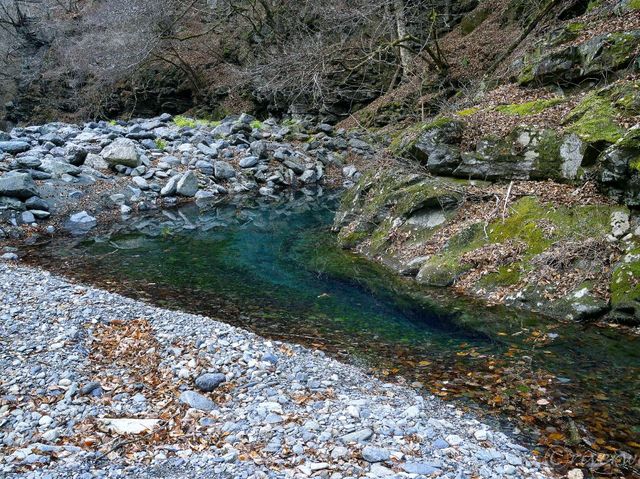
527,153
620,169
387,202
595,57
529,108
473,20
625,289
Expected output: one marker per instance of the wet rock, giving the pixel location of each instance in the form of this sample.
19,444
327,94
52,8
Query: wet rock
80,223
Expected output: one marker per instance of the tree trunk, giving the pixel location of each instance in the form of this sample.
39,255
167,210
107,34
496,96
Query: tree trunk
406,57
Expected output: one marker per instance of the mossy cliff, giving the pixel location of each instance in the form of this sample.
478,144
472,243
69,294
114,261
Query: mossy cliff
524,192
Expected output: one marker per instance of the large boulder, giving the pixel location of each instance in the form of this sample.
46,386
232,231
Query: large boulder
122,151
18,185
14,147
620,169
57,168
75,154
188,184
527,153
223,170
595,57
437,147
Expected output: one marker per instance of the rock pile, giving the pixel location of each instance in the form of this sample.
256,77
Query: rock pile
148,163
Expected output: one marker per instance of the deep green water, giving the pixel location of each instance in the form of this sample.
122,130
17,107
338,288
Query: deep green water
275,269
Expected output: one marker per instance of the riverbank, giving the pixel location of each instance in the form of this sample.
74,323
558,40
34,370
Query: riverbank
84,356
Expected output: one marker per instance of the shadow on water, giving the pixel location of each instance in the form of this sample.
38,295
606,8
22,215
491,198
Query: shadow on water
274,268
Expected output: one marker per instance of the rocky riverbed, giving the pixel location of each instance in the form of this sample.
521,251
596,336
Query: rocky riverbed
63,177
98,385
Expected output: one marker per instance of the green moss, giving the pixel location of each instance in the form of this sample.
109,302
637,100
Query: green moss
160,144
184,122
350,239
634,5
595,119
523,225
256,125
625,282
529,108
468,112
593,4
473,20
576,27
507,275
112,122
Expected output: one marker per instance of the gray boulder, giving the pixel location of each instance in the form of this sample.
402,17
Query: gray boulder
36,203
80,223
438,148
18,185
13,147
210,381
188,184
248,162
223,170
57,168
121,151
197,401
172,185
75,154
96,162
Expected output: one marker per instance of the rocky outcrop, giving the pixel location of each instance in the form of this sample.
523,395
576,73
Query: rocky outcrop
594,58
447,232
620,164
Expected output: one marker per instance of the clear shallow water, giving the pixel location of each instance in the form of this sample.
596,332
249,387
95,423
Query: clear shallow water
275,269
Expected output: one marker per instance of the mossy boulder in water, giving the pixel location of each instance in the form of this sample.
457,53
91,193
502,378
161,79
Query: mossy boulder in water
384,202
625,289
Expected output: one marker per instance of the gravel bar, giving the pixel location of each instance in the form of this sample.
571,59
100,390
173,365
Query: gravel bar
94,384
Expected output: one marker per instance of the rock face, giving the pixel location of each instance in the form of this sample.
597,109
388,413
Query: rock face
121,152
597,56
414,224
18,185
527,153
620,169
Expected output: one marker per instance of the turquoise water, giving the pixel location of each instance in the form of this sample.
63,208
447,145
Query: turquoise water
275,268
